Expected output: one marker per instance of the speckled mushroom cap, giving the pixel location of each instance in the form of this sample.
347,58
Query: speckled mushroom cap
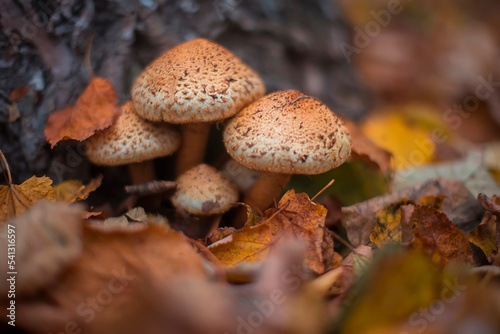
131,139
287,132
202,190
197,81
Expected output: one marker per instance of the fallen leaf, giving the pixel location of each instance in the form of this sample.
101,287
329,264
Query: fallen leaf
469,170
435,234
94,110
133,216
48,239
487,235
296,216
73,190
388,228
411,144
16,199
121,274
366,150
458,204
395,285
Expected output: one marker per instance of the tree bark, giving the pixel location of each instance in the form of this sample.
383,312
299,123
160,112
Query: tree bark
292,44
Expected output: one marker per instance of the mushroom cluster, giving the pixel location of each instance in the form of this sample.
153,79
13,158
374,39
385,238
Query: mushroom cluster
198,83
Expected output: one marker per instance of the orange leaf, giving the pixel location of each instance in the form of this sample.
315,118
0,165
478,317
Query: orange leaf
16,199
94,110
298,216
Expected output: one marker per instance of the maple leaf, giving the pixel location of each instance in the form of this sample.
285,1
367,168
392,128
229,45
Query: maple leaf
298,216
94,110
16,199
74,190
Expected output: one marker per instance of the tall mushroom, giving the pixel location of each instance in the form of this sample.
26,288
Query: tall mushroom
194,84
281,134
133,141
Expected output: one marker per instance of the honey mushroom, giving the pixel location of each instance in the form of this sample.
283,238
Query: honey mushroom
133,141
194,84
281,134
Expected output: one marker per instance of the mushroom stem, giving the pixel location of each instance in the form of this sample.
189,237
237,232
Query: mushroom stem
194,143
141,172
267,187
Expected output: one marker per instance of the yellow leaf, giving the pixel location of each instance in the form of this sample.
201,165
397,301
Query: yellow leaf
73,190
394,287
296,216
388,226
406,136
16,199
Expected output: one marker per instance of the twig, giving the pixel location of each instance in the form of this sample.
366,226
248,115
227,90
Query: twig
151,188
5,168
322,190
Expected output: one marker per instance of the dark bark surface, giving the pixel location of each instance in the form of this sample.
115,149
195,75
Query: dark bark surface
292,44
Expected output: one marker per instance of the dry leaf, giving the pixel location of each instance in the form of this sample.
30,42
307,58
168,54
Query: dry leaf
48,239
487,235
395,285
94,110
16,199
394,130
296,216
458,204
119,278
73,190
435,234
389,229
366,150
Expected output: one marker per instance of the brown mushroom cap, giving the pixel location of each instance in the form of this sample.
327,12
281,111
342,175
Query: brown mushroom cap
131,139
203,190
288,132
197,81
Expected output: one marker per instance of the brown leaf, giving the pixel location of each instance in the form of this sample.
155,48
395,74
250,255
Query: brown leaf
365,149
48,239
73,190
434,233
487,235
94,110
296,216
16,199
458,204
120,275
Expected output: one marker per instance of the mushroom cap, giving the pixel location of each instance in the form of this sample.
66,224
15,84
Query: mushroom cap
131,139
287,132
197,81
202,190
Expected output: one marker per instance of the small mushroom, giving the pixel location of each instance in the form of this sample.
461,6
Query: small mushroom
133,141
281,134
194,84
202,190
